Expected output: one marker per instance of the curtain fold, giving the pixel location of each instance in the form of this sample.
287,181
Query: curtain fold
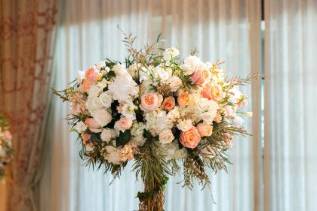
88,33
26,35
291,89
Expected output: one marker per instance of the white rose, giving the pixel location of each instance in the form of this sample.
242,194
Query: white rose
170,53
105,99
162,74
102,117
107,134
185,125
166,136
119,69
192,64
80,127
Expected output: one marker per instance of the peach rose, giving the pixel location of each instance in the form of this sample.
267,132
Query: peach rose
204,129
123,124
206,92
168,103
92,124
198,77
190,138
151,101
86,138
85,86
183,98
91,74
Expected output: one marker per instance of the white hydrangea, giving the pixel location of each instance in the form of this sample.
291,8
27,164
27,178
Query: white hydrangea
137,133
185,125
127,109
80,127
93,103
123,87
156,121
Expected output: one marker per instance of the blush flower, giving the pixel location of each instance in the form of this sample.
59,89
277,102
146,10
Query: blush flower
183,98
198,77
168,103
151,101
123,124
204,129
91,74
92,124
190,138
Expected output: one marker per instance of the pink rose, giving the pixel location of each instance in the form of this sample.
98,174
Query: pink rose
190,138
123,124
85,86
91,74
204,129
168,103
198,77
92,124
151,101
86,138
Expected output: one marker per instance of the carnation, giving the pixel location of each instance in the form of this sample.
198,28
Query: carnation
185,125
166,136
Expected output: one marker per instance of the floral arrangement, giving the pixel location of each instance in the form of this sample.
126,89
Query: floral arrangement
159,112
5,145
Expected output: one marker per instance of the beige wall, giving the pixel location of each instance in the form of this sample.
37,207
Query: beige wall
2,195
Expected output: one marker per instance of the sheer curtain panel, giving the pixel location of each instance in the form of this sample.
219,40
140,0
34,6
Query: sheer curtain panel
291,88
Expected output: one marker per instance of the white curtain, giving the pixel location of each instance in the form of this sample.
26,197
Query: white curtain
88,33
291,74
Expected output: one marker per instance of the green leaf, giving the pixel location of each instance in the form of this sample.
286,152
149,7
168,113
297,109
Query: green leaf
123,138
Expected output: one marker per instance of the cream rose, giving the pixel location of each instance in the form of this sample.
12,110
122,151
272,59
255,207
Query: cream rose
204,129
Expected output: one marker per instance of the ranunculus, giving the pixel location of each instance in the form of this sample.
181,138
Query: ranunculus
198,77
91,74
151,101
102,117
183,98
166,136
92,124
190,138
107,134
86,138
123,124
168,103
204,129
